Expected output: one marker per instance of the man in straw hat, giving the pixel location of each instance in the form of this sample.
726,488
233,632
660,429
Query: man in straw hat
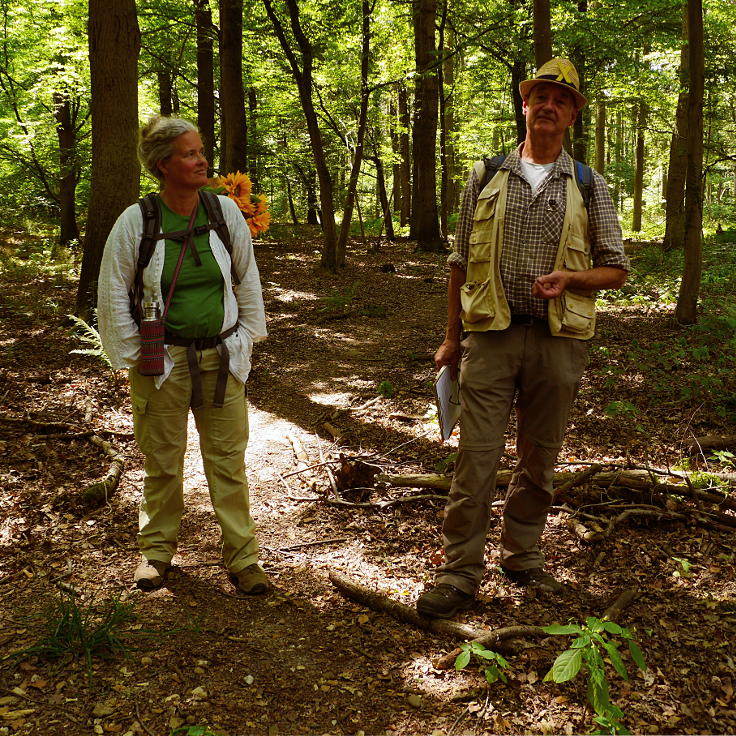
529,255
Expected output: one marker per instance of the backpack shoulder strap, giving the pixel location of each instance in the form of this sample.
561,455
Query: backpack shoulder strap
151,226
217,223
584,180
492,166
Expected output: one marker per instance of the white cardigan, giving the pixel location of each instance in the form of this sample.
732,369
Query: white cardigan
244,302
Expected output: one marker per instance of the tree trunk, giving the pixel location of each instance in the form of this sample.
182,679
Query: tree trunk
518,74
674,234
600,136
444,205
290,198
424,214
165,90
582,121
641,121
205,80
362,122
405,159
234,147
542,33
67,137
687,300
383,196
253,145
303,77
396,150
114,44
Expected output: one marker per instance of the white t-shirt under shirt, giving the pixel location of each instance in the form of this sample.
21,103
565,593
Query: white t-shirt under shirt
535,174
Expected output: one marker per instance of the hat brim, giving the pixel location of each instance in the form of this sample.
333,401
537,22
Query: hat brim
528,85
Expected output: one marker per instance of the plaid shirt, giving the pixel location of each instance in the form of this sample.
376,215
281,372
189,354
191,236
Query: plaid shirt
533,227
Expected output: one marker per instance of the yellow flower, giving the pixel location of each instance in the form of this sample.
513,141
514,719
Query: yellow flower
238,187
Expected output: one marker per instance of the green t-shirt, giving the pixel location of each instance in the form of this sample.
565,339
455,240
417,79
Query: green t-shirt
196,308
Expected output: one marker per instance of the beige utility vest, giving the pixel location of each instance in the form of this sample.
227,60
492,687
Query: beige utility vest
484,304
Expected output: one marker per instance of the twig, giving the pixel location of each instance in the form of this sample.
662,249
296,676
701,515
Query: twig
382,504
622,601
310,467
578,479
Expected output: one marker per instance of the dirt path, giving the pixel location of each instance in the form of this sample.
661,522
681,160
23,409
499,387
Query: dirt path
304,660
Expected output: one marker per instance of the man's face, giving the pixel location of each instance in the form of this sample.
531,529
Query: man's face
549,110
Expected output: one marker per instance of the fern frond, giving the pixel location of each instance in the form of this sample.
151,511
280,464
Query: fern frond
89,335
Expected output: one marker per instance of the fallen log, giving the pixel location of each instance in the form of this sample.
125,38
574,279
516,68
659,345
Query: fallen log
712,442
100,492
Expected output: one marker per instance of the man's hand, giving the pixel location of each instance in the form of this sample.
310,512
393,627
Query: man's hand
551,285
448,354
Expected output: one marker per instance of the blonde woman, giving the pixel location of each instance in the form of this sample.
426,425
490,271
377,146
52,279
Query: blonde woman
211,325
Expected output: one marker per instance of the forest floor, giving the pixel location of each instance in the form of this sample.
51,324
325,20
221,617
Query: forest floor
304,659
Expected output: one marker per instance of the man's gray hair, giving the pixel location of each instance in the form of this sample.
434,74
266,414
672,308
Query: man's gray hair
156,141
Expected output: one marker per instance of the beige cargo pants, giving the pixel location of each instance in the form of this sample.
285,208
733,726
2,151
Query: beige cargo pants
160,423
543,374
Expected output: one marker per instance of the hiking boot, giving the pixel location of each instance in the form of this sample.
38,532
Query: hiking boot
150,574
536,578
251,580
443,601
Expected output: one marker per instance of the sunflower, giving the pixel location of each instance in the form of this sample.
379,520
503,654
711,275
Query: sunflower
238,187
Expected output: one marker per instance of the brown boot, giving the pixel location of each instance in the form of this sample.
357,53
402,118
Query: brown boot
150,574
251,580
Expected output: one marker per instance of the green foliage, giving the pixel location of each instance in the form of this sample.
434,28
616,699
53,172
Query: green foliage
339,299
724,457
446,464
618,408
89,335
593,642
77,631
492,664
193,731
386,389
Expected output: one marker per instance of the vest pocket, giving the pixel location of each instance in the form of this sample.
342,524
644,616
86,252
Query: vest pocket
577,256
578,312
475,299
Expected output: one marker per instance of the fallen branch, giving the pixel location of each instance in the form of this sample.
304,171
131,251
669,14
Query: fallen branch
99,493
382,504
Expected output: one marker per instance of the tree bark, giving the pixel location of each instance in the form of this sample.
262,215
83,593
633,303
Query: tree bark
674,234
205,79
68,169
303,77
600,136
686,311
165,91
424,212
641,121
114,44
542,33
234,146
405,158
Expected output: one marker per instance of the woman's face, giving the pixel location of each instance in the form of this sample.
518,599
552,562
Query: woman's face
186,167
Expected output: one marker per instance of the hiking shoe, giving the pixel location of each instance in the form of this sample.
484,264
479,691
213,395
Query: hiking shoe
443,601
536,578
150,574
251,580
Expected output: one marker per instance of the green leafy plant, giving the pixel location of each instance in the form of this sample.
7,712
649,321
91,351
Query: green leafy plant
492,664
84,632
724,457
621,408
386,389
446,464
586,653
338,299
193,731
684,567
89,335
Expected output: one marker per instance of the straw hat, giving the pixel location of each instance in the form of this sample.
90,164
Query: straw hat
556,71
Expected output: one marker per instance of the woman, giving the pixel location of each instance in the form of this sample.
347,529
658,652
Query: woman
211,322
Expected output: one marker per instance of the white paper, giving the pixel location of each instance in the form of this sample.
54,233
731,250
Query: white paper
447,396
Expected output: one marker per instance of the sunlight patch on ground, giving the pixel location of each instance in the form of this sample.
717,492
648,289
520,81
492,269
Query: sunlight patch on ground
287,295
341,399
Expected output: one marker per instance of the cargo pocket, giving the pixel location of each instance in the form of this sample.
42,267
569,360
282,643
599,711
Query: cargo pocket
578,312
577,254
475,299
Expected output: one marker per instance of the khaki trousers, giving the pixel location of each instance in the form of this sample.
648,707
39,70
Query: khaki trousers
160,424
543,374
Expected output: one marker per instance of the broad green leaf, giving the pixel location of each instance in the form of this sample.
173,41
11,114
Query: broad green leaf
462,660
637,655
581,642
615,657
501,661
612,628
486,654
492,674
594,660
560,629
594,624
598,691
566,666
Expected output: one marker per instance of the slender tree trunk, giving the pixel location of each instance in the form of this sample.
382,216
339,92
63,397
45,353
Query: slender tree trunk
405,160
383,195
453,190
342,241
303,77
600,135
67,137
290,197
234,147
641,121
686,311
542,33
114,44
425,217
205,79
674,234
253,145
518,74
441,50
165,91
396,169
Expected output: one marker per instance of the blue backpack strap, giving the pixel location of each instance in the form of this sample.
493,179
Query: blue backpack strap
584,180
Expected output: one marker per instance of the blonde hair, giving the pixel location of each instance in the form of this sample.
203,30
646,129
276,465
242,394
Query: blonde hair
156,141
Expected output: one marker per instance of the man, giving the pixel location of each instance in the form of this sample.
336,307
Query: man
529,255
